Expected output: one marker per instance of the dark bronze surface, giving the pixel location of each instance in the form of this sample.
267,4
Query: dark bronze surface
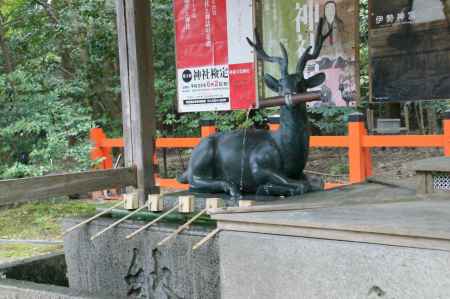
258,161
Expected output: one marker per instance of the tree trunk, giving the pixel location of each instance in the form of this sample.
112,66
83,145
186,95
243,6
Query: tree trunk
407,120
432,120
446,4
420,120
9,63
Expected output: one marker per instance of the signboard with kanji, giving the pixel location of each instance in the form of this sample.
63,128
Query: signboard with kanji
409,50
215,64
293,23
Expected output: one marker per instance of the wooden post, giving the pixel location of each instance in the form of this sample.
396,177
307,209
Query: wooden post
356,154
208,127
424,183
131,201
407,121
214,203
420,118
155,203
447,133
186,204
431,119
137,82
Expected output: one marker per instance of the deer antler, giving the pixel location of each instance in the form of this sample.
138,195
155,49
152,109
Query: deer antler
319,40
283,62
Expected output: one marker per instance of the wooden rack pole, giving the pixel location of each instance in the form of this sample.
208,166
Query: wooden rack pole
153,222
296,99
94,217
182,228
206,239
117,222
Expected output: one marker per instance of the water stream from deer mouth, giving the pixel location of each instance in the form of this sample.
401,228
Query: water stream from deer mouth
244,143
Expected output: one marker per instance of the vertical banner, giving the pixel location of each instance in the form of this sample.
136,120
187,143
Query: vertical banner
294,22
409,50
216,68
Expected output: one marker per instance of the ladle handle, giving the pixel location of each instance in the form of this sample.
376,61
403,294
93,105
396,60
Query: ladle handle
296,99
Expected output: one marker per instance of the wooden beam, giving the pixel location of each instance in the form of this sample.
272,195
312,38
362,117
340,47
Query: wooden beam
23,190
137,81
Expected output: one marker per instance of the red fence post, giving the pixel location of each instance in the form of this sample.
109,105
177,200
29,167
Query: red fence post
107,153
208,127
274,122
97,136
367,157
446,126
357,155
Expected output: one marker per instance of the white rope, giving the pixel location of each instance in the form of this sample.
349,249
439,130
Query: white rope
288,99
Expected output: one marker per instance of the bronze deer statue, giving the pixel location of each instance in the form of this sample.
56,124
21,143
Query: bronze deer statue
258,161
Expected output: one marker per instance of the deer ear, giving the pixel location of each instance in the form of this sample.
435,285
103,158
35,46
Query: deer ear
272,83
315,80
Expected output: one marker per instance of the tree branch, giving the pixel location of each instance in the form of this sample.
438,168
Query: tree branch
6,51
48,9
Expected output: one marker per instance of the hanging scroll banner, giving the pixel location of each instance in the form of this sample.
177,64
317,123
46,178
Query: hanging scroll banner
409,50
293,22
215,64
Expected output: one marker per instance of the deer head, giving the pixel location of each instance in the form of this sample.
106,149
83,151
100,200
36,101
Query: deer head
290,84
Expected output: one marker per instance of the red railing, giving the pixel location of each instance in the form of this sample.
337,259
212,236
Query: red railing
357,141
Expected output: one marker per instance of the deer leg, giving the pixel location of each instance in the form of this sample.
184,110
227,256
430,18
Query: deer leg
203,174
279,190
214,186
275,184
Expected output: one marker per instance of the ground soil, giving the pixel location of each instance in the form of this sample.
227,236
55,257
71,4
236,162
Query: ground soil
388,164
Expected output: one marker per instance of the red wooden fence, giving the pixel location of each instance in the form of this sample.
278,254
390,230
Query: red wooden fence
358,142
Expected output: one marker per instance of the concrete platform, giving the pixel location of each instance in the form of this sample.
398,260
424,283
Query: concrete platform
173,271
361,241
261,266
366,241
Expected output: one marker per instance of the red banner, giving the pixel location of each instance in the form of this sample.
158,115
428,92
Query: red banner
215,65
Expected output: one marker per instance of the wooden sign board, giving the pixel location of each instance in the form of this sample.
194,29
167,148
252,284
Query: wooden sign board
409,50
294,22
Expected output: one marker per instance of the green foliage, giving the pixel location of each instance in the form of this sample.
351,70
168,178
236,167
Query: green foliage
64,77
59,76
331,120
12,252
339,168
